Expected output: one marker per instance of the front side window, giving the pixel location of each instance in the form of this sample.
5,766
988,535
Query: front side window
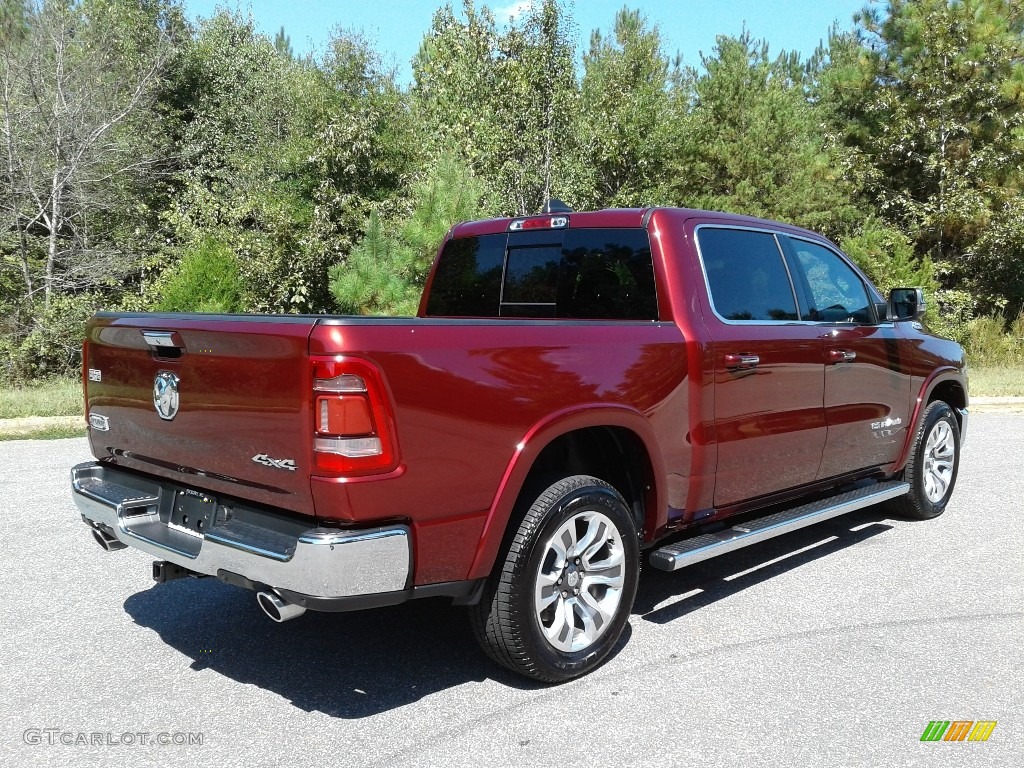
837,294
746,274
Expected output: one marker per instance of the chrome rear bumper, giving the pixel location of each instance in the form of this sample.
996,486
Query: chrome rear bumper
262,547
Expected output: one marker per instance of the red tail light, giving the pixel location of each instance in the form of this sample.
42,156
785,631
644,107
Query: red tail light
353,427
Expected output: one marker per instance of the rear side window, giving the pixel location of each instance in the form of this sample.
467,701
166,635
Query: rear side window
579,274
467,282
747,277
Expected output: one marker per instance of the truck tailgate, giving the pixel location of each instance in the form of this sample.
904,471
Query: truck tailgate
242,425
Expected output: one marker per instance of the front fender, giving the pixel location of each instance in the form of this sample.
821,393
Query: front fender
938,377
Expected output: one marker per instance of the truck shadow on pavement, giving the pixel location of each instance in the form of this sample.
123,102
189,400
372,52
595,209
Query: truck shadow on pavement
731,573
348,665
354,665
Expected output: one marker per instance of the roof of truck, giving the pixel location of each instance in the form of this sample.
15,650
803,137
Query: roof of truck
611,217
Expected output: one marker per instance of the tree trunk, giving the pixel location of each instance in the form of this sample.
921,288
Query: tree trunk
54,226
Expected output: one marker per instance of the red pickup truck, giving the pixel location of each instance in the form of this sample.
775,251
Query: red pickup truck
578,391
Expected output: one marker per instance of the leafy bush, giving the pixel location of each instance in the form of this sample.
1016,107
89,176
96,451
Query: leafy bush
950,313
53,346
887,255
989,344
205,280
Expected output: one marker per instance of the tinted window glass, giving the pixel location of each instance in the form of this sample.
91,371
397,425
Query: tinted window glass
584,273
467,282
531,275
746,275
607,273
837,293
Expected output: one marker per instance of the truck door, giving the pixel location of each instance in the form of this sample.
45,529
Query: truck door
867,373
768,367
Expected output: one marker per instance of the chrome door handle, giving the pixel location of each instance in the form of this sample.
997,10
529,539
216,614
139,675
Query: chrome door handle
741,361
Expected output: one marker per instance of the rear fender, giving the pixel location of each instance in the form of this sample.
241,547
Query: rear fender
531,446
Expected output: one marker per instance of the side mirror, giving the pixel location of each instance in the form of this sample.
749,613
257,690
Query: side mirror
906,304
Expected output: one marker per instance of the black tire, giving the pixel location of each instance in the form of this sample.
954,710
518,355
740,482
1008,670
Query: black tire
556,643
933,464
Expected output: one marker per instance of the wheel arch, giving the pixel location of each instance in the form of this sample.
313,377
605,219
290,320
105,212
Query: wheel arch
946,384
613,443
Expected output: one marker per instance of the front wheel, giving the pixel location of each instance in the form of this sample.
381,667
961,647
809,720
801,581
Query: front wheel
563,594
933,464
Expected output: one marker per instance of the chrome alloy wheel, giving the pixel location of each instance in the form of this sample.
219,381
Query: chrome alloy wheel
580,580
939,455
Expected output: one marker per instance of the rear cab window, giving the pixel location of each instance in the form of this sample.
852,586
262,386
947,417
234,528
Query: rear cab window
586,273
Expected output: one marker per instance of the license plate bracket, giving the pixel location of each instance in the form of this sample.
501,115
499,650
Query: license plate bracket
194,511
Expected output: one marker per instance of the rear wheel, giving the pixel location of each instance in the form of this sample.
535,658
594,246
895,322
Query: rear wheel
933,464
563,594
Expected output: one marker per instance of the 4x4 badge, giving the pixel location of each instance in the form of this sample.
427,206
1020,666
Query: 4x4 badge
262,458
165,395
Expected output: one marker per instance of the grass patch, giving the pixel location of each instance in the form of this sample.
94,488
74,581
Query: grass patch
997,381
42,428
58,397
48,432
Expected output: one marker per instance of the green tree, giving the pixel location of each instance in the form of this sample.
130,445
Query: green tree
362,147
283,44
930,93
753,143
282,159
625,114
77,87
386,271
503,101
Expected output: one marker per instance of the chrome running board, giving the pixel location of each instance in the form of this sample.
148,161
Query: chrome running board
690,551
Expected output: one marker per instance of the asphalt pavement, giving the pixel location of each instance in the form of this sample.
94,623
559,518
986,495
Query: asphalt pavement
833,646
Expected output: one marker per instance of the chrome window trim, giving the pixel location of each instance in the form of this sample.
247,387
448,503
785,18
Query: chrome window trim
792,285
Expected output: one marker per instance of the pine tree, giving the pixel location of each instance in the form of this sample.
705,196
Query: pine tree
385,273
624,117
752,143
931,96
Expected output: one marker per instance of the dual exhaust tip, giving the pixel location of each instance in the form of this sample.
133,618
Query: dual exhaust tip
277,608
108,541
